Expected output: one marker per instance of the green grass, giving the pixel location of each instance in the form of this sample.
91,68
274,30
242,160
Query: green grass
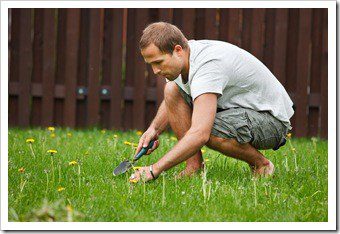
226,192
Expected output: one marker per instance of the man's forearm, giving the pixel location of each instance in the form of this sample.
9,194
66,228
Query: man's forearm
160,122
184,149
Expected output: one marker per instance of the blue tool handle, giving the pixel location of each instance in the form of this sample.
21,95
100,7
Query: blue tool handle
143,151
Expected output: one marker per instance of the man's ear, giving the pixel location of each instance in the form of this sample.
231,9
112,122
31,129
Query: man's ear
178,48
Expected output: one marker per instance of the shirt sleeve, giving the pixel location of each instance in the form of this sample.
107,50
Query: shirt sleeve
209,78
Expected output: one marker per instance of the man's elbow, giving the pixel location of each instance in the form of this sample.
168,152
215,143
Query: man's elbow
200,136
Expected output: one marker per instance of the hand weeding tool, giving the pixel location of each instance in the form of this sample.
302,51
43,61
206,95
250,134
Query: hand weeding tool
126,165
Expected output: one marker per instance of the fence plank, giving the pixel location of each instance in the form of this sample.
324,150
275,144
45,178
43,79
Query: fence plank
93,68
140,73
13,61
37,64
303,62
257,32
48,66
210,26
291,58
324,76
130,53
104,108
24,65
199,22
280,45
315,76
269,41
81,116
246,29
71,63
116,72
188,23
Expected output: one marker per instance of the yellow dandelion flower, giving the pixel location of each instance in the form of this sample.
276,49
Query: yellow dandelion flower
206,160
136,168
139,133
115,136
289,135
52,135
29,140
60,188
21,170
127,143
203,151
133,180
72,163
103,131
173,138
69,134
51,129
52,151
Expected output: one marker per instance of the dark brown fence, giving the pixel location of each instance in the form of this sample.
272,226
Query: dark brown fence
82,67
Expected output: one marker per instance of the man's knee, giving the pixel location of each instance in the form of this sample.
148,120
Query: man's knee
223,144
171,92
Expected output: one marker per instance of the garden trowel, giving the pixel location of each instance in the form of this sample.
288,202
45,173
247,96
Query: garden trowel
126,165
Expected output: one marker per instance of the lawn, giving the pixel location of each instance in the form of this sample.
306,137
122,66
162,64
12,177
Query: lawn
76,183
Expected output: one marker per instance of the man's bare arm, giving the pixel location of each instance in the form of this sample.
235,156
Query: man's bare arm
197,136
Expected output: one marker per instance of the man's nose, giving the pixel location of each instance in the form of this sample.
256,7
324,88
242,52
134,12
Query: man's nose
156,70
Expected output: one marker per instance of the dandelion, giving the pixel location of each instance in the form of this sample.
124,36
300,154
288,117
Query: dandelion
289,135
72,163
203,151
136,168
206,160
139,133
52,151
115,136
173,138
133,181
59,189
51,129
130,143
30,140
21,170
103,131
52,135
69,134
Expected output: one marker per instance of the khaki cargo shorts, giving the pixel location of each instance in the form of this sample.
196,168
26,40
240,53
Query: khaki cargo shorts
260,129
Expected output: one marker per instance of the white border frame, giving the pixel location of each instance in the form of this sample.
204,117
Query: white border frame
330,225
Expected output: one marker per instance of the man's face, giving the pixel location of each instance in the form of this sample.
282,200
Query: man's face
165,65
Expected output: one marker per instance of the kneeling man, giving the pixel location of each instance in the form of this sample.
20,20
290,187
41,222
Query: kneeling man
216,94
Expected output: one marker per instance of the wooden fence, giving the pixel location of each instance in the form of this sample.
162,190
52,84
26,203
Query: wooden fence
82,67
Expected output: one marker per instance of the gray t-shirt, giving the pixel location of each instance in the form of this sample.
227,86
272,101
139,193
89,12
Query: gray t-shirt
240,79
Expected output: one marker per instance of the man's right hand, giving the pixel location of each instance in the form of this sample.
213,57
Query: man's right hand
150,134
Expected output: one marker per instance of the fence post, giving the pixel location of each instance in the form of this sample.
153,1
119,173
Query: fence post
71,64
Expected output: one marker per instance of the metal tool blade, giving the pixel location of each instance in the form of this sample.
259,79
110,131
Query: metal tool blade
122,167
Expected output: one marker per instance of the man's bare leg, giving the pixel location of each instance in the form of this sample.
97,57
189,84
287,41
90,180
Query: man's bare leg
179,115
245,152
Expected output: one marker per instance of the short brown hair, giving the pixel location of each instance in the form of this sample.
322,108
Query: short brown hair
164,35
